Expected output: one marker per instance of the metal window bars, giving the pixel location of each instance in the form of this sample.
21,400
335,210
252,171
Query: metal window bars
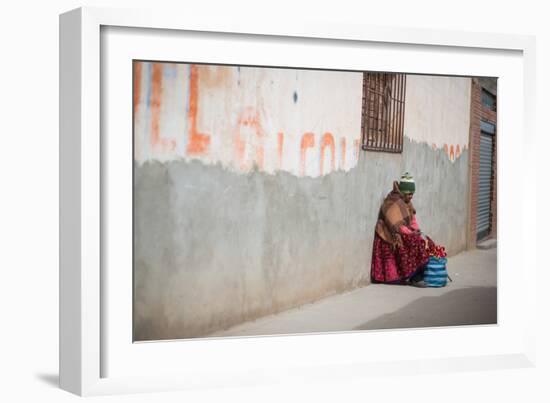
383,111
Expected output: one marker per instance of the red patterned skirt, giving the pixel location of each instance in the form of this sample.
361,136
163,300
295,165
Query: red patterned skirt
389,266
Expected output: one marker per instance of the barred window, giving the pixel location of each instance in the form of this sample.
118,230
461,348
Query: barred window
383,111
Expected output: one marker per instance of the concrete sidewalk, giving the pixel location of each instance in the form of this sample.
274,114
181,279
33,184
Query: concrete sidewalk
470,299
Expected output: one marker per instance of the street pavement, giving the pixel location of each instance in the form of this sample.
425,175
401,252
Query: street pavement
470,299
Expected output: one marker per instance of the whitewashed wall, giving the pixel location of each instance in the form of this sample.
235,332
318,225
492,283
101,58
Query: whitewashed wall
305,122
437,111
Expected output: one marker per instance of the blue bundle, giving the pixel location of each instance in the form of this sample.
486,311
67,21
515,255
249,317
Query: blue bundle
435,272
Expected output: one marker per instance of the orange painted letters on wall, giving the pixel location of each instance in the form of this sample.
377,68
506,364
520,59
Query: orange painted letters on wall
249,120
156,98
343,146
137,67
308,141
280,143
198,143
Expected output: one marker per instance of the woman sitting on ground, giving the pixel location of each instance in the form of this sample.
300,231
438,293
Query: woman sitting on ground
399,252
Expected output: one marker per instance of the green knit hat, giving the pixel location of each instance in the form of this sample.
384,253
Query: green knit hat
406,183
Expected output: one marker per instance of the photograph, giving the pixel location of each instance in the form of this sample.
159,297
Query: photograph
276,200
249,202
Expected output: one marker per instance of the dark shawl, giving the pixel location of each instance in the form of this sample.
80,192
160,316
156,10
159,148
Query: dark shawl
394,213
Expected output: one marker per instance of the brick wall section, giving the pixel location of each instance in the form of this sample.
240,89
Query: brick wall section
479,112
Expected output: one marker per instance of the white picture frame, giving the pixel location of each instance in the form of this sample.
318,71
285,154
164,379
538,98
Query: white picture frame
86,312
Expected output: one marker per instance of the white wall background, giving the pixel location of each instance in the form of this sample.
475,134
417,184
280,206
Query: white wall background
247,116
29,201
427,119
254,108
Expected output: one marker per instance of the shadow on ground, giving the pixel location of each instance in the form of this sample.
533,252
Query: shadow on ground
49,379
467,306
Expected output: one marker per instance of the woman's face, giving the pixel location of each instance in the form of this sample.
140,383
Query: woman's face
408,197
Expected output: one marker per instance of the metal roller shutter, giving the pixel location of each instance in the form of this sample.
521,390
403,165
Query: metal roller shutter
485,185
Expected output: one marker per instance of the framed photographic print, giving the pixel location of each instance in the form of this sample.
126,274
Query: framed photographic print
245,203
